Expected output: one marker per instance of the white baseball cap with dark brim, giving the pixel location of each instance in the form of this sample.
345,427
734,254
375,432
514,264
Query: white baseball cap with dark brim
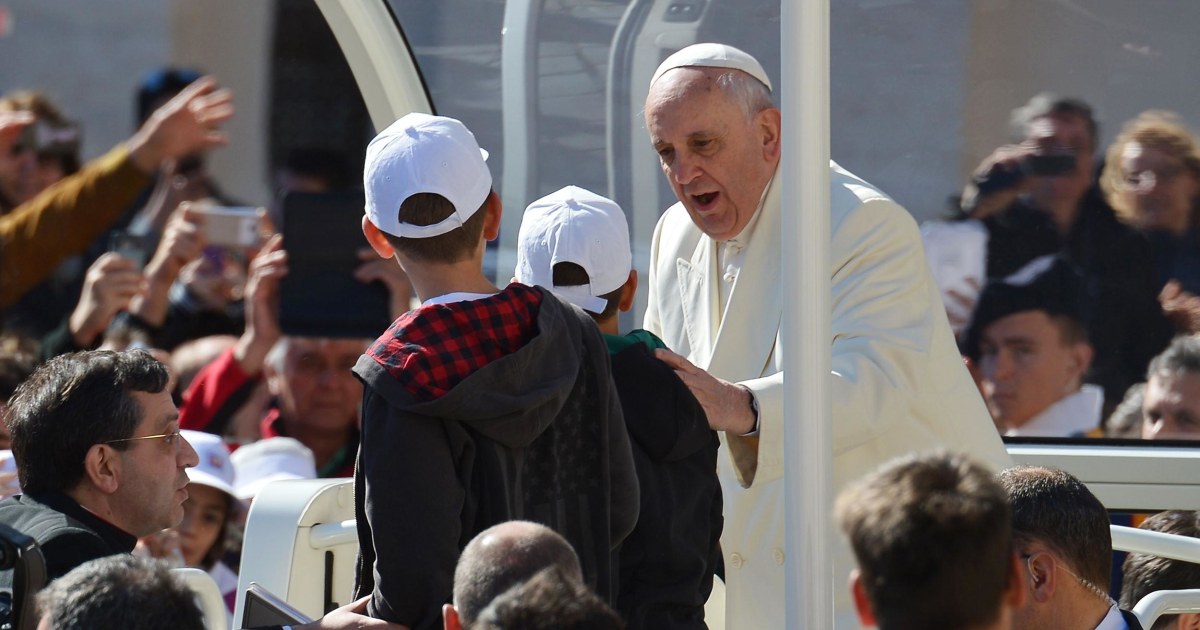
421,153
574,225
710,55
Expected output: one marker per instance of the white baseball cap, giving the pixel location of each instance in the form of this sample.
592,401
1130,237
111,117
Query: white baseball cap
214,470
421,153
271,459
713,56
578,226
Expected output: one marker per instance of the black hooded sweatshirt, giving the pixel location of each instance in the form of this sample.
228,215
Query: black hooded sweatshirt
480,412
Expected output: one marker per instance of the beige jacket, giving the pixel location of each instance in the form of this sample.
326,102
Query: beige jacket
899,385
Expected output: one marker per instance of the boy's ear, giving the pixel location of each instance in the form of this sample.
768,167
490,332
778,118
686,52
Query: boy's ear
491,221
628,292
376,239
450,620
862,604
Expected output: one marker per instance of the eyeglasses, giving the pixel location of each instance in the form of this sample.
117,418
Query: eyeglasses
1145,180
173,438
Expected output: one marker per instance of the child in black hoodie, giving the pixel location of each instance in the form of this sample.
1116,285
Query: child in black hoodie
480,406
576,244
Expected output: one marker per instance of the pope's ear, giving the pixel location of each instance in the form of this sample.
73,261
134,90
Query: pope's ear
769,123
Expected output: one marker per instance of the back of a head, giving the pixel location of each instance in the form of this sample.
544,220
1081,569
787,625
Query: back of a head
503,556
550,600
575,244
120,591
427,185
1145,574
71,403
1054,508
933,542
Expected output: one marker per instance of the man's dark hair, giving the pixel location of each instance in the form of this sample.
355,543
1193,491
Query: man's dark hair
550,600
1182,356
572,275
120,591
451,247
71,403
1145,574
1056,509
1047,104
493,562
932,538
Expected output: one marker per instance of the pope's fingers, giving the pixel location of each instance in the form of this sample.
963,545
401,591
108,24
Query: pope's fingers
676,361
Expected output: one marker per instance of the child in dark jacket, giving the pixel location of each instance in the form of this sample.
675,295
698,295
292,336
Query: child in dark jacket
480,406
576,244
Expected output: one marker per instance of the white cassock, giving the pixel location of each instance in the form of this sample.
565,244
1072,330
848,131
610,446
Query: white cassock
899,384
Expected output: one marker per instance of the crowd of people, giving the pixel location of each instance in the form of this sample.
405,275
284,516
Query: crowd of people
517,461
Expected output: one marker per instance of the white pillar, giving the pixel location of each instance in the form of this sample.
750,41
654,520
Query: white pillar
804,51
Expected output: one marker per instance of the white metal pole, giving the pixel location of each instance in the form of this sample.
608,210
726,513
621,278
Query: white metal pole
804,51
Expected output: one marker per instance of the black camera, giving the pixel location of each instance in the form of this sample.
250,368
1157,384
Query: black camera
1005,176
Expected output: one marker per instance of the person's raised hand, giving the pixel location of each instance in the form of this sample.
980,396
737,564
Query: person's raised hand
182,242
262,306
11,125
1181,307
1003,164
727,405
186,124
387,271
108,287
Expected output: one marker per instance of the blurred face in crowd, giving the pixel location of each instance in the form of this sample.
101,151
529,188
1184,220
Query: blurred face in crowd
204,513
717,158
49,171
153,471
1171,409
18,166
1027,365
1058,134
314,384
1158,187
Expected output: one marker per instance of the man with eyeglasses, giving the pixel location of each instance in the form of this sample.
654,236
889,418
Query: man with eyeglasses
99,456
102,463
1061,532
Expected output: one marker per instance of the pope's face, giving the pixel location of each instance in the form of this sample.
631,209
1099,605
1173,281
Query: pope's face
717,158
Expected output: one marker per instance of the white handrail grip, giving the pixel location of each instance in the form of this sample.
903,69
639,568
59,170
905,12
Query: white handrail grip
208,596
1160,603
1159,544
328,535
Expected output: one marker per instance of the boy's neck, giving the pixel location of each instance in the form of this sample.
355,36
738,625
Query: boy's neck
430,280
609,325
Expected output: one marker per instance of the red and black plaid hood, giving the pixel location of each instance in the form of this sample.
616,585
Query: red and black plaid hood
504,364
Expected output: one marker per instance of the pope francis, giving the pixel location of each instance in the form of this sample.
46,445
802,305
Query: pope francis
715,286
